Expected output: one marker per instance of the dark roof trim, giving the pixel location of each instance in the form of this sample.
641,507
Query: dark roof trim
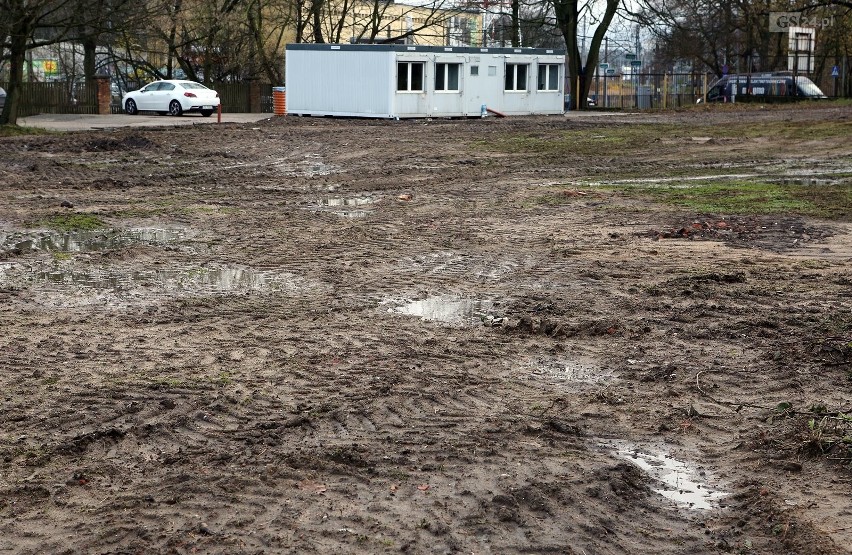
419,48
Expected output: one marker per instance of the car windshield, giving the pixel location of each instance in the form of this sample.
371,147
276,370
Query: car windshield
808,87
192,86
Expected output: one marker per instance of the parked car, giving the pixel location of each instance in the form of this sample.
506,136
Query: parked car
763,87
175,97
2,98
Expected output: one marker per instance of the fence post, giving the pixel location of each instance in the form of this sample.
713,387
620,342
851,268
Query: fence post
665,89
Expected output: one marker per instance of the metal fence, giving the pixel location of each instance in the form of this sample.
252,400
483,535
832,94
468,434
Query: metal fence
649,91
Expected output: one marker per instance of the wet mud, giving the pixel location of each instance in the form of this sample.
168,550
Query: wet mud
311,335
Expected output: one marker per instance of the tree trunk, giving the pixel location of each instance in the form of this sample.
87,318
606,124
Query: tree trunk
567,18
89,64
516,23
316,18
17,56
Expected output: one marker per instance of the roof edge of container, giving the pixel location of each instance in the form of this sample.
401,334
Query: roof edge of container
322,47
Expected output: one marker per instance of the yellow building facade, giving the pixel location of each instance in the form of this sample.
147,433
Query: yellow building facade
367,21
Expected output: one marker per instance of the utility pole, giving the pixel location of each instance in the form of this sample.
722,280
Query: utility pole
606,71
636,74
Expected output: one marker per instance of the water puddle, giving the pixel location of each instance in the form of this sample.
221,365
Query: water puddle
311,166
448,310
678,481
202,280
353,207
86,241
578,370
681,182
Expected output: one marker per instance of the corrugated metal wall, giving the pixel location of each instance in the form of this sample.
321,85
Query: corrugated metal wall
330,82
360,80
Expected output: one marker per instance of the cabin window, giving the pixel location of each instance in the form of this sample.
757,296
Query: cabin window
447,77
548,77
409,76
474,71
516,77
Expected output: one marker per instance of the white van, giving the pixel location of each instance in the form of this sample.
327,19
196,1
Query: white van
763,87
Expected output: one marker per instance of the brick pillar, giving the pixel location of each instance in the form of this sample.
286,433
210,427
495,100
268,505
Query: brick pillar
104,94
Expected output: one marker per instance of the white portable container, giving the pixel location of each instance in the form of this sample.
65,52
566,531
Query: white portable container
409,81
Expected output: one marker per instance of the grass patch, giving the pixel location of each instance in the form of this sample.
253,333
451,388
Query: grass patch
620,140
17,131
752,197
74,222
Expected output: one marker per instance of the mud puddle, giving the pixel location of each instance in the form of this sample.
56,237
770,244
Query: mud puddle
86,241
153,282
679,481
451,310
351,207
311,166
579,370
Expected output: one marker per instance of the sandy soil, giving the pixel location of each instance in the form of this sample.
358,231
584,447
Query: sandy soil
343,336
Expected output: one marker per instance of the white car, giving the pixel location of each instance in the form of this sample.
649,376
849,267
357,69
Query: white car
175,97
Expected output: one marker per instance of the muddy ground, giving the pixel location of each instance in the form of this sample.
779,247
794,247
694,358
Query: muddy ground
313,335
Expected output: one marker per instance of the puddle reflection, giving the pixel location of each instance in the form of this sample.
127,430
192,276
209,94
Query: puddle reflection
449,310
680,481
352,207
581,370
202,280
87,241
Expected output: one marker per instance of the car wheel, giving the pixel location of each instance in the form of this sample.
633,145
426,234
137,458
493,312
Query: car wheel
130,107
206,113
175,108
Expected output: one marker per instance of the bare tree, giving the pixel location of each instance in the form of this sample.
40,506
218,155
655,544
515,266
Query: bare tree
379,21
268,22
716,35
31,24
568,14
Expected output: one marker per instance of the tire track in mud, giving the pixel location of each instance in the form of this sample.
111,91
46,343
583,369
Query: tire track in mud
319,421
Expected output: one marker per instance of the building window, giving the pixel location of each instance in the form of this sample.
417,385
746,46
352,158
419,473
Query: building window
516,77
548,77
409,76
474,70
447,77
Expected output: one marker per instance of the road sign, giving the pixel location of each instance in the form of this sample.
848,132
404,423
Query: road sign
610,71
604,65
630,57
835,71
636,63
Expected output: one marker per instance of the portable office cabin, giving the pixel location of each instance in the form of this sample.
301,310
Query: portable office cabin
409,81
